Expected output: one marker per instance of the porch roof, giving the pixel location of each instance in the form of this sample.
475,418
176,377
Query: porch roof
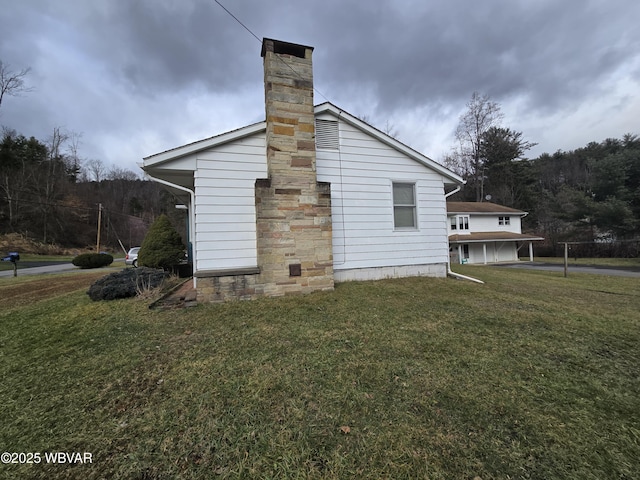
492,237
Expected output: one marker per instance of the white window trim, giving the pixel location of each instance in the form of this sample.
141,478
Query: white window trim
455,220
415,227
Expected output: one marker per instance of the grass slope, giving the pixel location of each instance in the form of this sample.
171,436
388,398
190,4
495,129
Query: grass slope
528,376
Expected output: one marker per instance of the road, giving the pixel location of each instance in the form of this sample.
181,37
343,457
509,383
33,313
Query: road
40,268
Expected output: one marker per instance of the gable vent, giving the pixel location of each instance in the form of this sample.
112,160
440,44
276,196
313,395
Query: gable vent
327,135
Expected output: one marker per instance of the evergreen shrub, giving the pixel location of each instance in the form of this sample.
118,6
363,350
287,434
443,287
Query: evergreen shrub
126,283
162,247
92,260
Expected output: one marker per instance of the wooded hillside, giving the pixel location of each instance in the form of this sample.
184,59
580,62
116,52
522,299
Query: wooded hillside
588,194
49,195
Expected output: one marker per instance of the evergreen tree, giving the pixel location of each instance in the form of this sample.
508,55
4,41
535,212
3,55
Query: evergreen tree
162,247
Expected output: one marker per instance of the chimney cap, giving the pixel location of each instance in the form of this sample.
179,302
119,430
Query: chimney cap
287,48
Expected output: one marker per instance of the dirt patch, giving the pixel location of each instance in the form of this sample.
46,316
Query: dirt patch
45,287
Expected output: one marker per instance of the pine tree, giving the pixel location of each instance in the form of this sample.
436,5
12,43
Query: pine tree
162,247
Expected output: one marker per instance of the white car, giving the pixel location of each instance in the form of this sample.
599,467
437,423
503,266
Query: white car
132,257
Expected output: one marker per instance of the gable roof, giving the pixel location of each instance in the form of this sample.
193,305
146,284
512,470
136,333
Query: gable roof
204,144
327,107
487,208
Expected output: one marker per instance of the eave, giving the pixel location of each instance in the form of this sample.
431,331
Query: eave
492,237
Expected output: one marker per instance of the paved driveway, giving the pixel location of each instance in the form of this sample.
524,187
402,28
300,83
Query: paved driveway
633,272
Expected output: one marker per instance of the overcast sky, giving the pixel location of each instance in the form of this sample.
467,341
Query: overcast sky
136,77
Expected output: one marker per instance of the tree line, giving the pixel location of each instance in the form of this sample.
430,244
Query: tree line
49,194
591,194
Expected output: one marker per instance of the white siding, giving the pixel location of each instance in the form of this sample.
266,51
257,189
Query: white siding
489,223
225,207
361,175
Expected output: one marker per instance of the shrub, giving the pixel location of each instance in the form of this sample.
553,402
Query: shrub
92,260
162,247
126,283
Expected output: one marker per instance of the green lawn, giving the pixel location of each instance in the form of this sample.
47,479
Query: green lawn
529,376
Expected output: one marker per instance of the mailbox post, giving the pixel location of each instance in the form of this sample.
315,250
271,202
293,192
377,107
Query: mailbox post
13,257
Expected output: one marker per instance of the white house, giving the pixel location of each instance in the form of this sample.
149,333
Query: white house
483,232
310,196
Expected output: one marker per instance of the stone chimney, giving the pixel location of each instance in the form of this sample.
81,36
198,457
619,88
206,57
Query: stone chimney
293,209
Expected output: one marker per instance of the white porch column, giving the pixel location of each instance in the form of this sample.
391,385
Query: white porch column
484,252
459,253
531,251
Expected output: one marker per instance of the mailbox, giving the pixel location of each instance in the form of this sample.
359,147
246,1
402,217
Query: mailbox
12,257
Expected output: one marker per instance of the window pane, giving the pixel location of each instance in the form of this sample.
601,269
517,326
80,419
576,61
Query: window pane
404,217
403,194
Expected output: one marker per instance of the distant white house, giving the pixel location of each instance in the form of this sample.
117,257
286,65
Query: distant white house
483,232
310,196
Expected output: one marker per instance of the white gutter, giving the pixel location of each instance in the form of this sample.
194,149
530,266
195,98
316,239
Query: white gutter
192,216
455,190
461,277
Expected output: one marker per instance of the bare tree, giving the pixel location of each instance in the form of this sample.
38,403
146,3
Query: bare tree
97,170
481,114
12,83
119,173
52,173
389,128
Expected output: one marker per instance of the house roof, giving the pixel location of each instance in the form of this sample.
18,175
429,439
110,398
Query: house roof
481,208
327,107
492,237
205,143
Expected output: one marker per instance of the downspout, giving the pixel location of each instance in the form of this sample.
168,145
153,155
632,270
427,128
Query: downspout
192,215
461,277
449,271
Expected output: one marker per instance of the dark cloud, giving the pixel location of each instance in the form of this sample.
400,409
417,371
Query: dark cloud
108,68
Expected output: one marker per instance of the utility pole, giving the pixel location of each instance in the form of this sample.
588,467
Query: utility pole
99,224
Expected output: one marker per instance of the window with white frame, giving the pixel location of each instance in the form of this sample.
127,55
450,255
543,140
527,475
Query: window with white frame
404,205
460,222
504,220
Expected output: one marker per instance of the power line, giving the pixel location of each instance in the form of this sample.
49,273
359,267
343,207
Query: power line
259,40
238,20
